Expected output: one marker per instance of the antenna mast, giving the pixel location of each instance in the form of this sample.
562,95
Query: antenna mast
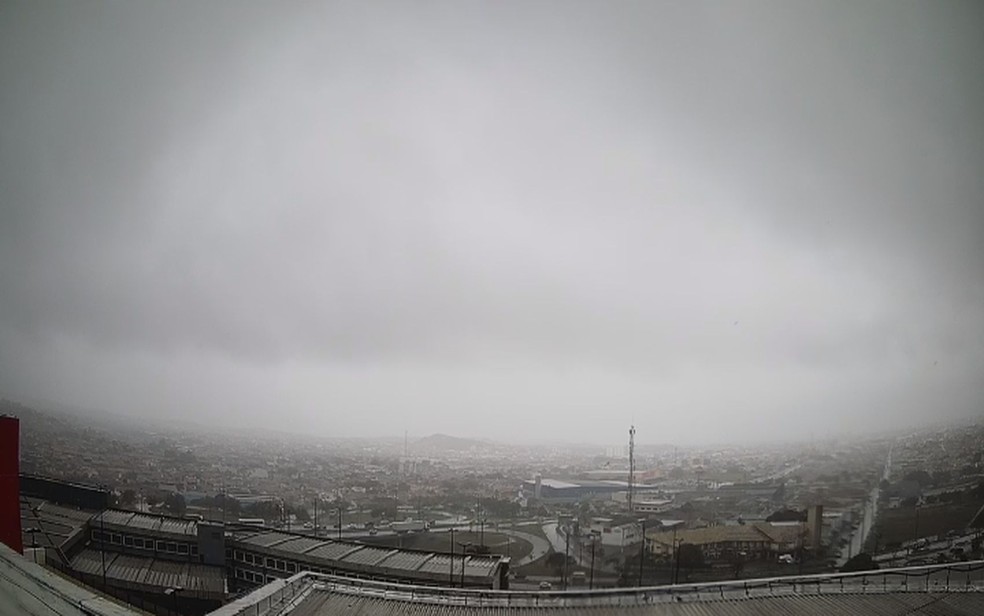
631,463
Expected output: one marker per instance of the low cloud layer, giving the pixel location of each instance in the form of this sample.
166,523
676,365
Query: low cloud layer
505,220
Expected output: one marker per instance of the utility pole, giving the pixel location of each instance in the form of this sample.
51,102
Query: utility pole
567,545
642,551
451,574
631,463
481,522
675,556
591,583
464,546
102,545
676,574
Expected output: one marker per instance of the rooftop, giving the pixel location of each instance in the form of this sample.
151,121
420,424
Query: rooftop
147,522
364,555
952,589
141,571
740,532
44,524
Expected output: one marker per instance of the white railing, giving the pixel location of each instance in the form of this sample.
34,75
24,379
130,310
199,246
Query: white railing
950,577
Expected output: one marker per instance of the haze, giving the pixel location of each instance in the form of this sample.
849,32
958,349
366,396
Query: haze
511,220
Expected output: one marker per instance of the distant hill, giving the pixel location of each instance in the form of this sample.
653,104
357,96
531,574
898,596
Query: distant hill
444,443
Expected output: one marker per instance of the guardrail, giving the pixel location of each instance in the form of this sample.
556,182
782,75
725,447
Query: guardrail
276,594
950,577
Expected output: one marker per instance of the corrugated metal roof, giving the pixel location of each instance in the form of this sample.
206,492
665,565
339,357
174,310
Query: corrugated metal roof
149,571
439,563
146,521
324,603
27,589
366,556
332,550
407,561
300,545
267,539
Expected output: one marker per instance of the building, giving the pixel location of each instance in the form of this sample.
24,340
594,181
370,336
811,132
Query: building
619,533
31,590
760,541
256,557
556,491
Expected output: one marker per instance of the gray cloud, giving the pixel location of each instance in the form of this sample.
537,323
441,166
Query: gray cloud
719,221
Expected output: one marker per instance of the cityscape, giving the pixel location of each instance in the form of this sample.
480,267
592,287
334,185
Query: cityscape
491,308
517,517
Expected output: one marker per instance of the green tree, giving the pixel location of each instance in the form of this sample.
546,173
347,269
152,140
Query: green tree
128,498
301,513
175,503
860,562
690,556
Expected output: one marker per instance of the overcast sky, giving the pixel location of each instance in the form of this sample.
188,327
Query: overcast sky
514,220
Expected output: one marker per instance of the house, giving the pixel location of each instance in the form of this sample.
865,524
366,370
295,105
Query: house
759,541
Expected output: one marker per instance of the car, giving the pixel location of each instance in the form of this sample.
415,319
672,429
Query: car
546,586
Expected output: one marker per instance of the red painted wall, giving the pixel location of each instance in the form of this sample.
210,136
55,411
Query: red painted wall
10,521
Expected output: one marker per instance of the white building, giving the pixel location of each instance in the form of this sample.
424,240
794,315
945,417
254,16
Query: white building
617,532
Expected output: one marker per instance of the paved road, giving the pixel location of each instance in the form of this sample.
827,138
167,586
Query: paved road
540,545
558,542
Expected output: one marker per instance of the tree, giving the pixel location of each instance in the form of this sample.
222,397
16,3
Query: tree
128,498
921,477
690,556
787,515
860,562
227,504
175,503
556,561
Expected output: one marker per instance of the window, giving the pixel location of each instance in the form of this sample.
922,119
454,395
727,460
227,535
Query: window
291,568
194,550
238,555
182,548
128,540
172,547
269,563
281,565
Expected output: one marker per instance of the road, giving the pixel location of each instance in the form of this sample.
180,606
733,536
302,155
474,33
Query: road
869,513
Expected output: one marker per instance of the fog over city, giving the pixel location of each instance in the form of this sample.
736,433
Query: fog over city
517,221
